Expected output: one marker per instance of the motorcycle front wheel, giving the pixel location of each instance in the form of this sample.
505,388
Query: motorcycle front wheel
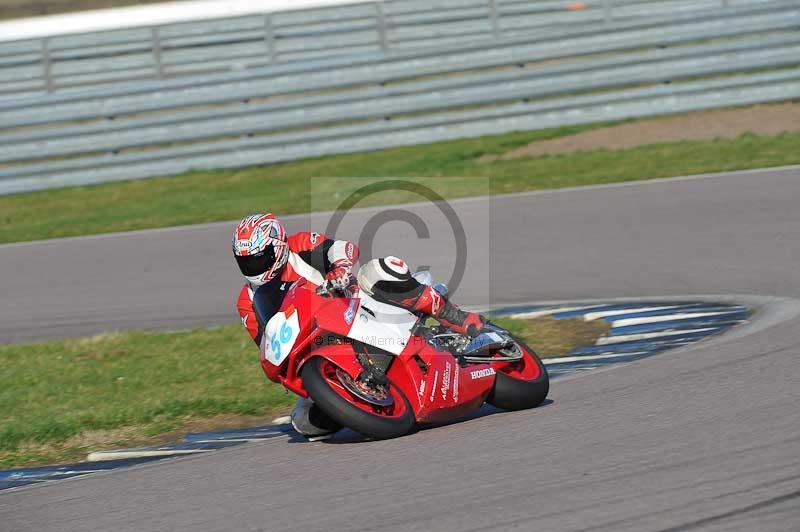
324,385
520,385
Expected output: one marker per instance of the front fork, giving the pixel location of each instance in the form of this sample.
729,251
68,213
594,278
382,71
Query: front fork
375,364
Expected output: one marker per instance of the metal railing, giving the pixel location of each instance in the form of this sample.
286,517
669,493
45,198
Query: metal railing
743,54
380,27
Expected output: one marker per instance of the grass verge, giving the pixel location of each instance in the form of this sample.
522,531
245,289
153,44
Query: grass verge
550,337
214,195
62,399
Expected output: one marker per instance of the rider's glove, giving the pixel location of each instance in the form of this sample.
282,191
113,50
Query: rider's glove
340,276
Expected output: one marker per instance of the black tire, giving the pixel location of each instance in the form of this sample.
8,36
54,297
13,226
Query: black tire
510,393
347,414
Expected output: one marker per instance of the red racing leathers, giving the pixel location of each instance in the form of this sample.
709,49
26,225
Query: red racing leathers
312,256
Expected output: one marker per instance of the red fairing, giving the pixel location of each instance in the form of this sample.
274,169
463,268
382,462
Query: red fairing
437,388
340,355
446,390
298,242
312,334
310,309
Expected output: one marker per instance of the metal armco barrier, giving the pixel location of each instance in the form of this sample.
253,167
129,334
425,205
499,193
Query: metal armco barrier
224,45
697,58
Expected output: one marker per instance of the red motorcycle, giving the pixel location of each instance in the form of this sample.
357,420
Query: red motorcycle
320,344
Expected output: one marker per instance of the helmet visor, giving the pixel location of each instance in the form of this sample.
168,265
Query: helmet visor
258,264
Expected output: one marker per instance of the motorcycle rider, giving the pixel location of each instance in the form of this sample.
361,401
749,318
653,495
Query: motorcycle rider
271,261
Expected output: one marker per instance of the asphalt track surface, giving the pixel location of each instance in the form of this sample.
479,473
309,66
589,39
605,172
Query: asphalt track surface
706,438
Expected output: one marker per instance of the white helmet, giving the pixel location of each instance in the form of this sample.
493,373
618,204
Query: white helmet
388,269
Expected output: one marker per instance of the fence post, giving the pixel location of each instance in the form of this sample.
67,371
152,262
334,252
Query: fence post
47,66
493,17
155,36
383,38
607,11
269,36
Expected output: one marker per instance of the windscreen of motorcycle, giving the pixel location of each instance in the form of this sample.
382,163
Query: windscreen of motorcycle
385,326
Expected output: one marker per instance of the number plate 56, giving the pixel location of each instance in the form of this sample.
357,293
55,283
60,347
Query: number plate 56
280,335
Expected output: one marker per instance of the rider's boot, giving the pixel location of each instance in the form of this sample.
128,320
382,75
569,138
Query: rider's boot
434,304
311,422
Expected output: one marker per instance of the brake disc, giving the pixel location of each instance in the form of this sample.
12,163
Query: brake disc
376,395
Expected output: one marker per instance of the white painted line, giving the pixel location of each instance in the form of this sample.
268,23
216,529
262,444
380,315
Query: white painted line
608,340
58,475
669,317
544,312
562,360
242,439
282,420
590,316
121,455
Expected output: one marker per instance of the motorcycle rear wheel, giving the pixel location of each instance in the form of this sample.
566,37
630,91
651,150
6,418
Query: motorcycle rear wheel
521,385
323,385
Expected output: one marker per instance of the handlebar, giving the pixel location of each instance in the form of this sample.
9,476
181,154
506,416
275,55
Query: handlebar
323,290
326,289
